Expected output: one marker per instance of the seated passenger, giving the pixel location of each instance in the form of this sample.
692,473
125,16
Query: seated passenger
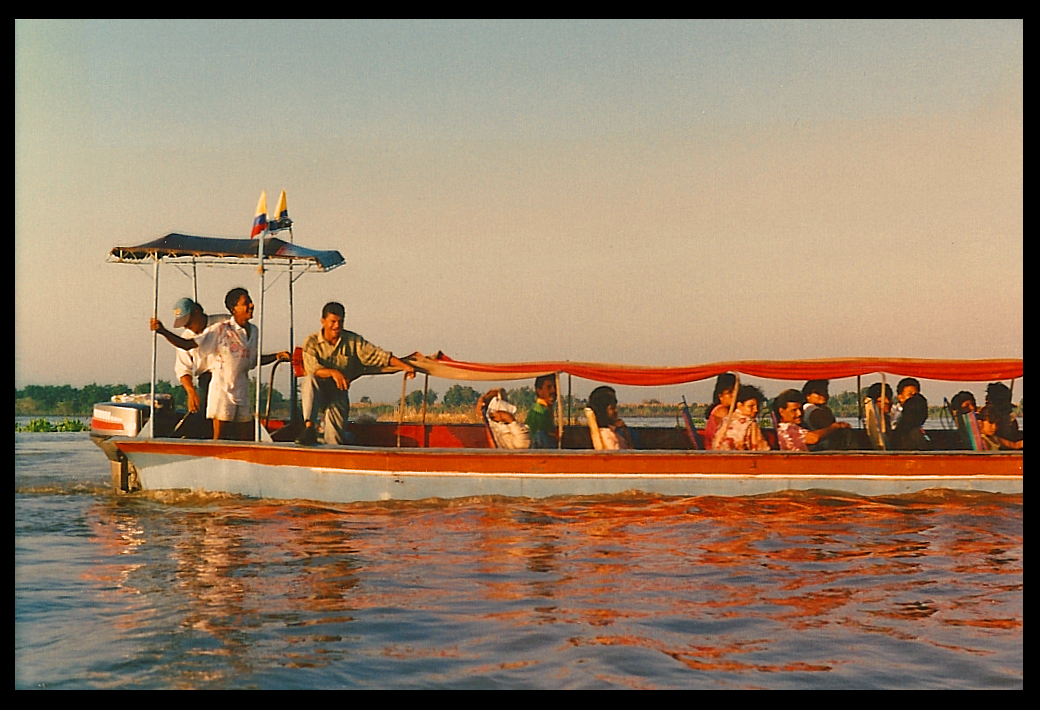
612,431
907,388
740,431
817,415
541,421
789,431
989,426
908,434
988,429
962,403
720,405
501,418
882,405
998,399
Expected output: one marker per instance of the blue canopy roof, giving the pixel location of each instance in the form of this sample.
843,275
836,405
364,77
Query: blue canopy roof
226,250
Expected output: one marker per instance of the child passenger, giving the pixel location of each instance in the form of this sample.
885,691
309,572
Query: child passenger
990,421
740,432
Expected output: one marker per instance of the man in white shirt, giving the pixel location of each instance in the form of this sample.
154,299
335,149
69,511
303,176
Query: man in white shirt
233,343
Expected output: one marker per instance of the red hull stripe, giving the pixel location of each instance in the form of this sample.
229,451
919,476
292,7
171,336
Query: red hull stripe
536,463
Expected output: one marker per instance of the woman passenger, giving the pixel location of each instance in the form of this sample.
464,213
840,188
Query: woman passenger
718,410
882,404
612,431
741,431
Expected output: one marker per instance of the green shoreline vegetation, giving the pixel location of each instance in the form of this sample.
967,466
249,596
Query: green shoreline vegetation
42,424
457,405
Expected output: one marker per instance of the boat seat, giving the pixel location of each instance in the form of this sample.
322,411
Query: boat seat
590,417
691,430
968,428
492,444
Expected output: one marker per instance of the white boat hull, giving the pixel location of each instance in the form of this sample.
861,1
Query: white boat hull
349,474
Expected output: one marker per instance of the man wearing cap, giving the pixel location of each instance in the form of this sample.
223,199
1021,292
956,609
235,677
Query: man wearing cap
191,364
332,359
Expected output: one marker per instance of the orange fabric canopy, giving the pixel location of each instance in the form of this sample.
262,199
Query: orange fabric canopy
441,365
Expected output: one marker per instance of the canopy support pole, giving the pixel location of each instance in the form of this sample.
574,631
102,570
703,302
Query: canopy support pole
259,335
881,412
559,414
292,341
400,411
150,429
425,389
859,400
569,400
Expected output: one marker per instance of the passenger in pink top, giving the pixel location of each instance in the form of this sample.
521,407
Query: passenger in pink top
740,430
719,408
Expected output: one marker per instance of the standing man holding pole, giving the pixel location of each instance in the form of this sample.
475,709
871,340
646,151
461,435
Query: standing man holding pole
235,344
332,359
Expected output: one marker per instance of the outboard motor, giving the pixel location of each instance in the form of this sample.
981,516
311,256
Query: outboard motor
126,415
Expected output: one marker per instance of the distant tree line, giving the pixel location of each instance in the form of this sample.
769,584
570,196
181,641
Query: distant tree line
65,400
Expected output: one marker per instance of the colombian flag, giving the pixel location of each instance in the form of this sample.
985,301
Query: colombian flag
260,221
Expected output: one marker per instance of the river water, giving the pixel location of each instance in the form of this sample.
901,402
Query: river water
805,590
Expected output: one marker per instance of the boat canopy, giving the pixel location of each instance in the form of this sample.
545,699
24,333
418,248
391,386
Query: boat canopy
441,365
225,251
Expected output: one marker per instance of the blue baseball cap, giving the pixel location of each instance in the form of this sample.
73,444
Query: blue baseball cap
182,312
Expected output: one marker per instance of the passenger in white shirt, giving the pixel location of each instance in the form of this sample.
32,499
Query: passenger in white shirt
501,418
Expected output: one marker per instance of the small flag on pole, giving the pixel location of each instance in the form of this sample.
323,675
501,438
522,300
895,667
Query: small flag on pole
260,221
283,211
282,221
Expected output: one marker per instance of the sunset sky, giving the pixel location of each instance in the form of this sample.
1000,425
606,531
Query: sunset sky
652,193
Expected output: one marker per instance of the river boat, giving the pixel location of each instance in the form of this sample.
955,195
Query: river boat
416,461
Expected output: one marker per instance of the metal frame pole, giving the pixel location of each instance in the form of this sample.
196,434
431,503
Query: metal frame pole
259,335
292,341
155,339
